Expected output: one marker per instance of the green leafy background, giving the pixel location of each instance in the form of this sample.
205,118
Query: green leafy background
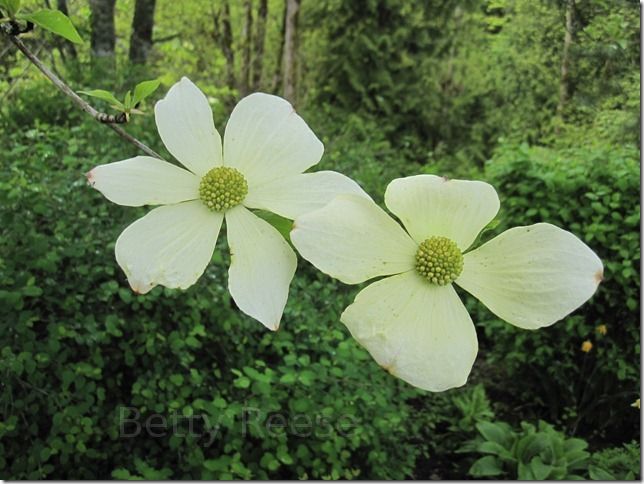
462,89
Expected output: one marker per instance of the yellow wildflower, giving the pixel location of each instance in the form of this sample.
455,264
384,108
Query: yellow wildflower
602,329
586,346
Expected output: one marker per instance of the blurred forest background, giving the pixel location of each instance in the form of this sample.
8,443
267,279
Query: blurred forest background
539,97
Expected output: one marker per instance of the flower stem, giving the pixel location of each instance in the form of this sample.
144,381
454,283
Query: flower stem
80,102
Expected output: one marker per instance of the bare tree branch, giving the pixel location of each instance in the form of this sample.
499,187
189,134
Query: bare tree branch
81,103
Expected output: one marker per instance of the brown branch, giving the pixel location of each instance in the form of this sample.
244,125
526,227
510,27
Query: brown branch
76,99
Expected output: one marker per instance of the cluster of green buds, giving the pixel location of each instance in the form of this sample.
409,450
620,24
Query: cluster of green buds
222,188
439,260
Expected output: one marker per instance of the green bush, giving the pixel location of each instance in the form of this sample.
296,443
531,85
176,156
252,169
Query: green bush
595,194
617,464
542,453
533,453
79,348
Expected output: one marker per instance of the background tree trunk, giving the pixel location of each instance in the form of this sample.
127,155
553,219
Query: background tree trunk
564,83
246,42
260,35
142,25
223,35
103,38
277,76
290,49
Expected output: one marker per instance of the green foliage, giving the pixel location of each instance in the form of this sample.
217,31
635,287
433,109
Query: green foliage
11,7
131,102
532,453
593,192
55,21
475,408
143,90
81,347
393,89
459,76
617,464
105,96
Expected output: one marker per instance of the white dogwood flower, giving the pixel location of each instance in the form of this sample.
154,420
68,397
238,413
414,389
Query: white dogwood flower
266,149
413,323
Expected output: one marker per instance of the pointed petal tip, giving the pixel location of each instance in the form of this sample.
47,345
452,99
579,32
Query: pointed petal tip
140,290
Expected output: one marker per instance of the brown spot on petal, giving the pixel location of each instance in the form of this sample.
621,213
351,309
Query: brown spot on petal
445,178
599,276
90,177
390,368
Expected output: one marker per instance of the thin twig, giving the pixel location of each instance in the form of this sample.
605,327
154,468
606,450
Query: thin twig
80,102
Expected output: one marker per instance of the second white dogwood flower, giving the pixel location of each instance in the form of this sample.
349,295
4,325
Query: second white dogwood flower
266,148
413,322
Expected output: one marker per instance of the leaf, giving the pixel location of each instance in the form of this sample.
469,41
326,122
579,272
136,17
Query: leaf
495,448
55,21
494,432
105,96
572,445
283,225
127,102
485,467
524,473
599,474
577,459
540,470
144,89
122,474
529,446
10,6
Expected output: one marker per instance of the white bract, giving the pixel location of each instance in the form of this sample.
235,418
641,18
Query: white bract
266,148
413,322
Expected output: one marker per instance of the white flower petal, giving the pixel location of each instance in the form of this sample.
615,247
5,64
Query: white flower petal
417,331
429,205
266,139
171,246
353,239
532,276
185,124
295,195
144,180
262,266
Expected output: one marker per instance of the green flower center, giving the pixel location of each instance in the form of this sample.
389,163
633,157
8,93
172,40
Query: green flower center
439,260
222,188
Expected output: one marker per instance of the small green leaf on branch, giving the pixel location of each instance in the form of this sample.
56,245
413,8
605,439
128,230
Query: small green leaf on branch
105,96
144,89
55,21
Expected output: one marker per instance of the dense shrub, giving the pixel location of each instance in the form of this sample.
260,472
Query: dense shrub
78,347
85,363
595,194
